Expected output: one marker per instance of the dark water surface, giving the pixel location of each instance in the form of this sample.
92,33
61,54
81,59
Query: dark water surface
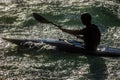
16,21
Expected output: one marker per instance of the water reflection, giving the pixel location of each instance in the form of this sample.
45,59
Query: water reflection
50,64
98,69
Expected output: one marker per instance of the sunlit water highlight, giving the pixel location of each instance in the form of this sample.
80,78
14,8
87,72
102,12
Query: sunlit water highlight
16,21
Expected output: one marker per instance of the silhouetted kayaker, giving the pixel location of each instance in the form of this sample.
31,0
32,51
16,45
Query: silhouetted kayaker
91,34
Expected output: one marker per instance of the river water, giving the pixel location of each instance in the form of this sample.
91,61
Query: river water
16,21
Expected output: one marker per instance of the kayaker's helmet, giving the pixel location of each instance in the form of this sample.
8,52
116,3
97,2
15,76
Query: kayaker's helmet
86,18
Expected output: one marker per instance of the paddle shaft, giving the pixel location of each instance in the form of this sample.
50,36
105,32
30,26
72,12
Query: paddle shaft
56,25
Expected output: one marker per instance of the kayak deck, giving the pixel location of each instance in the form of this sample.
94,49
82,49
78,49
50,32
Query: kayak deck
71,46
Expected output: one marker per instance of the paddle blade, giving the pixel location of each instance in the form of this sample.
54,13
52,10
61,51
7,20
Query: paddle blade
40,18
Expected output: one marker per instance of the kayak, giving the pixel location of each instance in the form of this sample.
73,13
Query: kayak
70,46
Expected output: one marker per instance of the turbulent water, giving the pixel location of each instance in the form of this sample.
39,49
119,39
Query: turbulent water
16,21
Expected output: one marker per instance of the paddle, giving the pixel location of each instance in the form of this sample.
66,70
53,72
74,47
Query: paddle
41,19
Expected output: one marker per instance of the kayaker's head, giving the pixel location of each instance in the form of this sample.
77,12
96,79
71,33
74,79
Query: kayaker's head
86,19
